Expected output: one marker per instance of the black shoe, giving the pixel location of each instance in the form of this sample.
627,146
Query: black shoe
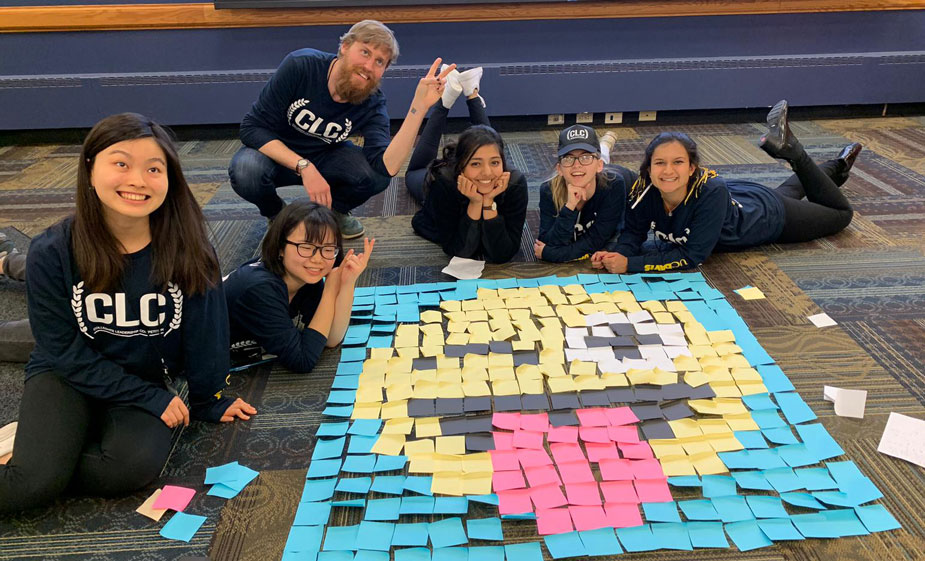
779,142
848,155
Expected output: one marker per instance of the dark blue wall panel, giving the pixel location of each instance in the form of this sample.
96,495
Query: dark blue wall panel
52,80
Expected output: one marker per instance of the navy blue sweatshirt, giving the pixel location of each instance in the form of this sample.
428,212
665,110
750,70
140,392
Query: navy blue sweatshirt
296,108
443,219
114,346
576,234
718,216
260,311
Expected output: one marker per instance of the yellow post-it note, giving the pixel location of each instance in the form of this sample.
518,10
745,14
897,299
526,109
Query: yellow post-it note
389,444
382,352
477,316
726,443
476,388
469,305
637,376
614,379
582,368
708,463
399,391
531,387
431,316
447,483
722,336
366,411
471,373
398,426
750,293
420,446
395,409
451,305
695,379
520,345
425,389
409,352
476,483
666,447
450,445
505,387
561,384
553,369
477,463
501,373
683,428
425,427
589,382
676,466
421,463
449,390
147,507
500,359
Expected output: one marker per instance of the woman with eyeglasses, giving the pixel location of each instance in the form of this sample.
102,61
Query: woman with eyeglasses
296,298
581,207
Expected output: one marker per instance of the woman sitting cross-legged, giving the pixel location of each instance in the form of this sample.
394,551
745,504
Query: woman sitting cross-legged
296,298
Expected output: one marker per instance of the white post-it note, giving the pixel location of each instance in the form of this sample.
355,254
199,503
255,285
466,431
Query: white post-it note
902,438
822,320
848,403
463,268
147,507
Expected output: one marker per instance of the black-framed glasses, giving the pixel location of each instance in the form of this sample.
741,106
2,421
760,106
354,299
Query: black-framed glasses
308,250
568,160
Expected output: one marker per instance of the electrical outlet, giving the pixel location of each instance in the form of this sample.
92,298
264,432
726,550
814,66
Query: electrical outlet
585,118
647,116
555,119
613,118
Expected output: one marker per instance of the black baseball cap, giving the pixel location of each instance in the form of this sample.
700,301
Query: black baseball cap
578,137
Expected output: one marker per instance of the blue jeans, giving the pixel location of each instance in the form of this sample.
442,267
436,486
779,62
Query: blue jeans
353,181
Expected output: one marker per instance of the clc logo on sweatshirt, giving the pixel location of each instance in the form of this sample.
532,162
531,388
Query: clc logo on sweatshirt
152,315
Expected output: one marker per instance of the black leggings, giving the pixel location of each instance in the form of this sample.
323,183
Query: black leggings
824,211
68,440
428,145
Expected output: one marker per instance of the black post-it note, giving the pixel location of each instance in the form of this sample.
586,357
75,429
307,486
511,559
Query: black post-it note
563,418
626,352
476,404
656,428
594,341
653,339
456,351
645,411
624,341
564,401
677,410
424,363
421,408
647,392
625,329
535,402
477,348
452,426
676,391
480,442
526,357
501,347
448,406
507,403
594,398
621,395
479,423
702,392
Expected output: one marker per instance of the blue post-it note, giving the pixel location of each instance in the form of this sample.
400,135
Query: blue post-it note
358,485
844,473
451,554
524,551
672,536
491,499
876,518
718,486
564,545
369,555
332,556
376,536
804,500
419,484
410,534
774,378
382,509
602,541
698,510
389,484
819,441
768,419
637,538
815,479
323,468
765,459
484,529
390,463
685,481
222,473
794,408
353,503
182,526
309,556
349,368
304,539
661,512
751,439
782,479
796,455
341,538
318,489
732,509
707,534
451,505
342,411
780,435
351,382
327,449
417,505
333,429
365,427
312,514
359,464
486,553
379,341
446,533
766,507
759,401
747,535
342,396
779,529
752,480
361,444
222,491
816,526
352,354
412,554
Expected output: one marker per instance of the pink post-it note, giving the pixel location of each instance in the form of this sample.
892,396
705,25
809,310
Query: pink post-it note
621,416
593,434
596,417
619,492
529,457
616,470
583,493
589,517
548,496
598,451
647,469
623,515
503,440
640,451
507,421
505,480
174,498
514,501
576,472
653,490
553,521
563,434
542,475
626,433
504,460
565,452
527,439
536,422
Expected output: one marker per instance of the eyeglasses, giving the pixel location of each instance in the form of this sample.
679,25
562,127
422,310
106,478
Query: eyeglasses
308,250
569,160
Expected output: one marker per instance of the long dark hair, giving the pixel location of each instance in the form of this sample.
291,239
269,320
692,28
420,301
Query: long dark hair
457,154
181,252
697,179
318,221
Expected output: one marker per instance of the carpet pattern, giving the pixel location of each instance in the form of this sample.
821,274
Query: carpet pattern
870,278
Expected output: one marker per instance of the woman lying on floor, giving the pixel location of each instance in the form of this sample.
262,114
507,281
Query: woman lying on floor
581,207
693,212
472,205
122,296
294,300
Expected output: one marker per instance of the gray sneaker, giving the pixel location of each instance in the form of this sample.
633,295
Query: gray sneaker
6,244
350,227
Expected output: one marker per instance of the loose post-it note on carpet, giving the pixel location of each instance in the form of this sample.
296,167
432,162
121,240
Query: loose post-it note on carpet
902,438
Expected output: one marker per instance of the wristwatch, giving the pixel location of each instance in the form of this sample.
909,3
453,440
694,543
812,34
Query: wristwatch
493,206
300,165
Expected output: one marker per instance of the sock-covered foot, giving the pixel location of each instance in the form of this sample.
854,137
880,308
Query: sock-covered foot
779,142
452,89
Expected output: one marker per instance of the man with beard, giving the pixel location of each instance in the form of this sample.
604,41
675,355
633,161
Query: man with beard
297,130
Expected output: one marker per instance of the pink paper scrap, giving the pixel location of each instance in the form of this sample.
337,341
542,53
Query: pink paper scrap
616,470
548,496
514,501
596,417
576,472
174,498
505,480
529,457
593,434
583,493
507,421
553,521
565,452
503,440
619,492
598,451
617,416
563,434
588,517
640,451
504,460
623,515
624,434
527,439
653,490
535,422
542,475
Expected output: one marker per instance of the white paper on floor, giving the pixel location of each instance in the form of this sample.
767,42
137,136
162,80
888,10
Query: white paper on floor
902,438
848,403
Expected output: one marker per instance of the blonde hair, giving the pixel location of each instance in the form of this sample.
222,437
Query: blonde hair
559,188
373,32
